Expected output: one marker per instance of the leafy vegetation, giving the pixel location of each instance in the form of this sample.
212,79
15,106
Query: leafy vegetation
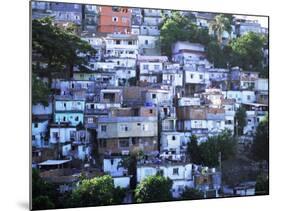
60,48
153,189
245,51
260,146
240,120
40,92
96,192
193,150
191,194
44,194
223,143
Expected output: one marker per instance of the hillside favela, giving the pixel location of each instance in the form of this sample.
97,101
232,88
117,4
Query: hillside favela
134,105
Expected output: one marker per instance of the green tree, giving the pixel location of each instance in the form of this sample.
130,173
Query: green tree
248,51
260,148
44,194
153,189
262,185
219,25
42,203
191,193
40,91
240,120
95,192
180,28
223,143
60,48
193,150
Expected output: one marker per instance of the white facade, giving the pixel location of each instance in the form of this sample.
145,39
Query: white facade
69,105
150,67
122,182
173,141
62,135
39,109
189,101
39,130
174,78
113,167
158,97
261,84
146,41
196,77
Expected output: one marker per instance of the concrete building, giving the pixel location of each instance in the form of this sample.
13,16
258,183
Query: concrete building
128,129
114,20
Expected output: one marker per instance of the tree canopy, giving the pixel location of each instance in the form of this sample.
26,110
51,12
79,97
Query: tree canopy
59,47
96,192
40,91
153,189
219,25
44,194
191,193
223,143
260,146
193,150
240,120
180,28
248,51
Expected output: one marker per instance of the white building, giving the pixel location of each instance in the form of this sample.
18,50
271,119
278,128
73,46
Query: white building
190,54
189,101
158,97
113,166
39,133
175,142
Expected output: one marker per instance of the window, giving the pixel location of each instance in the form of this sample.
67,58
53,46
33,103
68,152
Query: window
124,128
201,77
175,171
55,135
103,128
124,19
123,143
156,67
153,96
150,111
130,42
112,162
36,125
146,42
76,118
248,97
90,120
144,127
145,67
115,19
33,137
134,140
118,42
138,124
173,138
191,76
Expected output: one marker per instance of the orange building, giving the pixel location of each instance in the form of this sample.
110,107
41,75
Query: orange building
115,20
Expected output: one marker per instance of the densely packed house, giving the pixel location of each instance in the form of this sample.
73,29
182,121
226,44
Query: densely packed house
131,97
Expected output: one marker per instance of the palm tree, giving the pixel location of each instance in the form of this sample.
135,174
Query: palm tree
220,24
